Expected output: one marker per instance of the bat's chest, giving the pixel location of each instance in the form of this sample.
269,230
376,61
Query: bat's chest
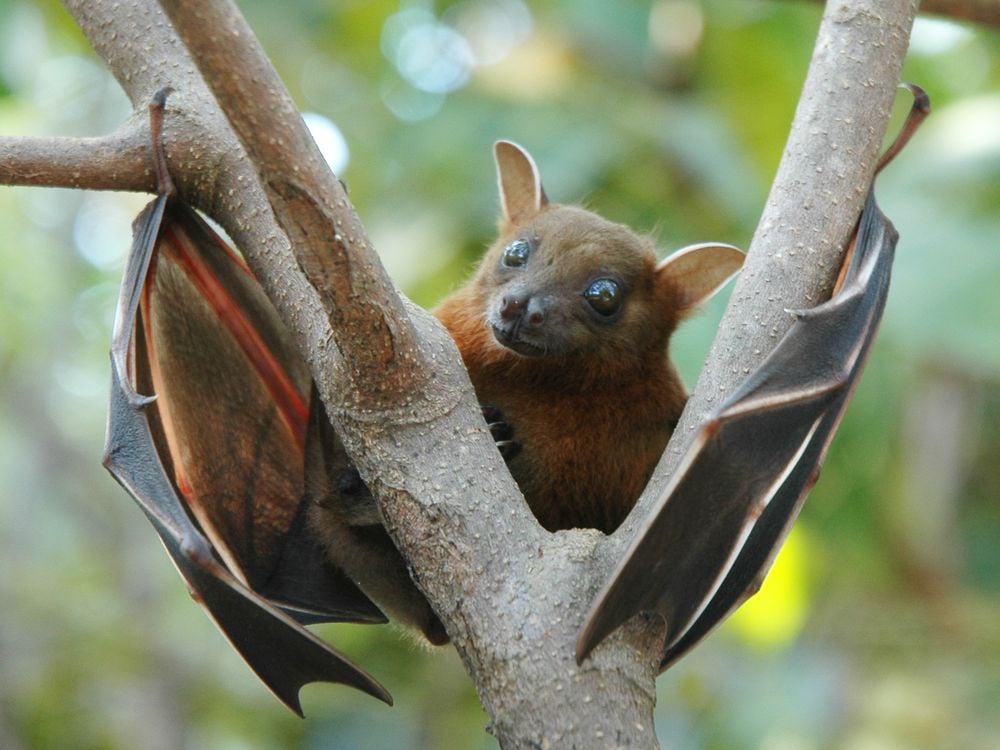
583,465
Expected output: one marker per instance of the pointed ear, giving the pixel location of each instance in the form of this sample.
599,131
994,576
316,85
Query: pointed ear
696,272
521,192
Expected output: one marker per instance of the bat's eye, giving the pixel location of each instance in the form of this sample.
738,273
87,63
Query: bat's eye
605,296
516,253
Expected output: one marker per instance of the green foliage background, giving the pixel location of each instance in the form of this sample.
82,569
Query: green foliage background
880,627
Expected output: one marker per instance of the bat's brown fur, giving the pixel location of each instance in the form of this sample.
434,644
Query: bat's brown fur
593,413
592,398
592,421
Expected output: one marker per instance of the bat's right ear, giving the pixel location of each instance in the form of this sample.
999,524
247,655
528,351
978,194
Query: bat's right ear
694,273
521,192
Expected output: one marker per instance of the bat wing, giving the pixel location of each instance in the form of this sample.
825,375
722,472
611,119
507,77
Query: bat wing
215,458
715,531
722,518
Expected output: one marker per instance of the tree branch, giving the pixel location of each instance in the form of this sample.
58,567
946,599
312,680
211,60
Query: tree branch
986,12
371,328
979,11
816,198
119,161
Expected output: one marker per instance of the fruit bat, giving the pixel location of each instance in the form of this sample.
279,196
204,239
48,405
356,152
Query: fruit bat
712,536
218,466
223,469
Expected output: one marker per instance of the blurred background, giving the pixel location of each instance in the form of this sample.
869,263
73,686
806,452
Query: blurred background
879,627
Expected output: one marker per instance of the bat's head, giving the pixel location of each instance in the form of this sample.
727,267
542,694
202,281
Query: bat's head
562,281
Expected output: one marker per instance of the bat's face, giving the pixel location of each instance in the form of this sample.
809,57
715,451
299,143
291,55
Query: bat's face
566,283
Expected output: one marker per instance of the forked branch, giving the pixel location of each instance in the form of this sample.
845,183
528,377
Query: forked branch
291,219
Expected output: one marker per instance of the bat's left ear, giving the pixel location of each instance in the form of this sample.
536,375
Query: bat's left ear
521,193
696,272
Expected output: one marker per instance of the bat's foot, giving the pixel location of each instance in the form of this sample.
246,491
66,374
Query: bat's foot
434,631
502,432
356,500
351,484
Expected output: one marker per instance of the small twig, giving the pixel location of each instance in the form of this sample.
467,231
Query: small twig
979,11
118,161
986,12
